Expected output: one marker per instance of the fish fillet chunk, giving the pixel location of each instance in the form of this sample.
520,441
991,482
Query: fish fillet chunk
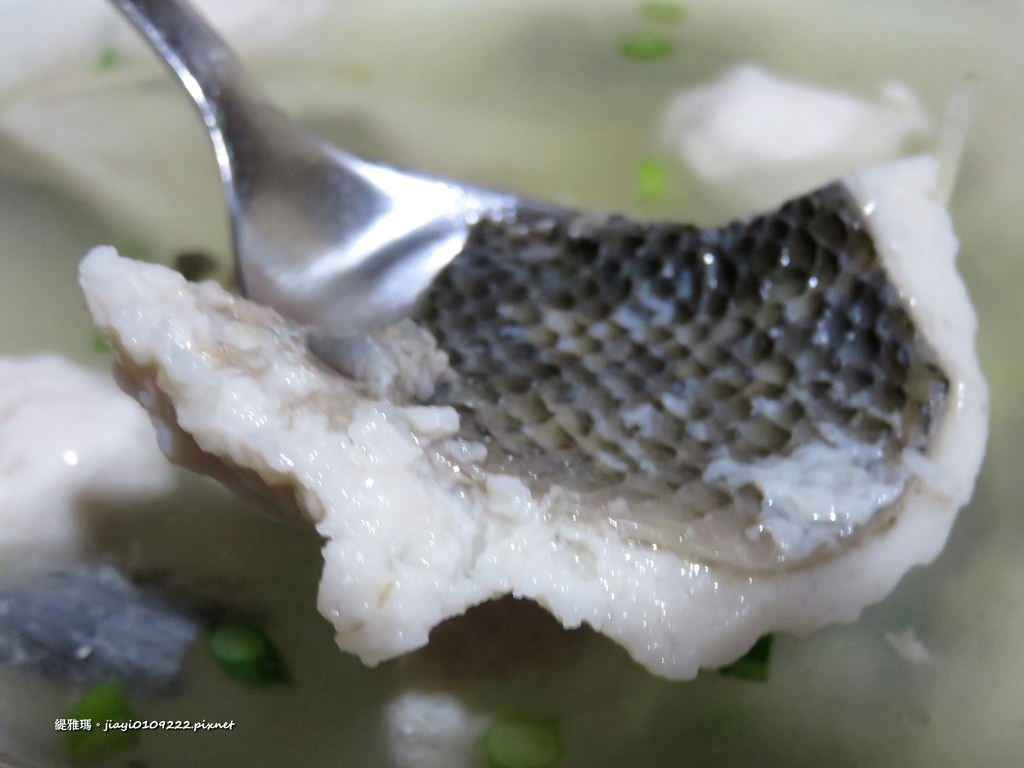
68,437
641,461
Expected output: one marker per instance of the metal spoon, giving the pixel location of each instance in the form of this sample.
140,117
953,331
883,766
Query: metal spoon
321,235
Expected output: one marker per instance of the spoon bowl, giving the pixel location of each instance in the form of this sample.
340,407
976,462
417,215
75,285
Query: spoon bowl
324,237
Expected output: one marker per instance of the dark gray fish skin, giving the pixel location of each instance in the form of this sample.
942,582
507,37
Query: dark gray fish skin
86,623
604,354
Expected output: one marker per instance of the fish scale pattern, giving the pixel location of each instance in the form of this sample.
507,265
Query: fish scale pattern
606,353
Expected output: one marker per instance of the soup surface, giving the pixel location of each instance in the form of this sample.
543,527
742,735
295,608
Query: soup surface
97,145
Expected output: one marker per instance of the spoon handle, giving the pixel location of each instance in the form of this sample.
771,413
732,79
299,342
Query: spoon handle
317,233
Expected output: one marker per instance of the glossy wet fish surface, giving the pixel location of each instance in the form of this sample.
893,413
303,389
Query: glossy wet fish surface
614,356
749,433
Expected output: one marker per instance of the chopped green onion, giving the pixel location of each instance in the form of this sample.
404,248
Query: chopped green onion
755,665
662,13
99,344
520,743
247,655
651,181
108,58
645,46
91,739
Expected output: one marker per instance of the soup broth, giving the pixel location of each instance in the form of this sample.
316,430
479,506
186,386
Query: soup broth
539,99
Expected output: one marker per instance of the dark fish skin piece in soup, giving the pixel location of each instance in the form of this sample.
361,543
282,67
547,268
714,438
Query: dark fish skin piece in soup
86,623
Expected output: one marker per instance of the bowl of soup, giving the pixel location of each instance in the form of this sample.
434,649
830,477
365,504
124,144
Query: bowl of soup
697,112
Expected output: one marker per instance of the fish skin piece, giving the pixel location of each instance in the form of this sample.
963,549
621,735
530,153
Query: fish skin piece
85,623
415,531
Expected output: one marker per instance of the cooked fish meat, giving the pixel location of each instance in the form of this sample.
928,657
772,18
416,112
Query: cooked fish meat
684,438
68,438
763,133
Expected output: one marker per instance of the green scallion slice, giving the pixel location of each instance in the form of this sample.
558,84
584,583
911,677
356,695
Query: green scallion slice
756,664
651,181
99,344
522,743
90,739
107,59
247,655
646,46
